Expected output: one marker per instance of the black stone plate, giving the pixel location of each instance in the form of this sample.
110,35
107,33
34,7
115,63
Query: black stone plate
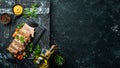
39,31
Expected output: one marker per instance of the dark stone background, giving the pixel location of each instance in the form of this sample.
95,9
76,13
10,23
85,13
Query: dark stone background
87,32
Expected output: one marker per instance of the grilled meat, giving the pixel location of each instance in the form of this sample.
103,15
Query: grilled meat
21,39
11,50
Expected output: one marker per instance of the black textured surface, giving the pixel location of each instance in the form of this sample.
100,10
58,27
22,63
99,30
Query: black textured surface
87,32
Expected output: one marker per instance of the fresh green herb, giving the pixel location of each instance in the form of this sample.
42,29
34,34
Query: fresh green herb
31,13
20,25
59,60
22,39
37,51
17,37
31,44
30,47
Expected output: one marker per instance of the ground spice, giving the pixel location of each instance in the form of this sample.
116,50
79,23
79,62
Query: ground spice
5,18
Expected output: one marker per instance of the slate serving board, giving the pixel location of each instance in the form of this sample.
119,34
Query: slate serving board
39,31
6,31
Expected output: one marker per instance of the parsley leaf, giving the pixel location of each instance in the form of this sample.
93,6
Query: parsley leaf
22,39
20,25
31,13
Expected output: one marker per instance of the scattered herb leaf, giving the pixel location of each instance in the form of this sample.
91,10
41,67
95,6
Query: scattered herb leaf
17,37
31,13
22,39
37,51
20,25
31,44
59,60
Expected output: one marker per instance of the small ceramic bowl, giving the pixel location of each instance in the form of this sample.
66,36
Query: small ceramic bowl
17,9
5,18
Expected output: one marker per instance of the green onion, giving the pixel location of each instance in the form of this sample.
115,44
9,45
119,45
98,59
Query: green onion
29,47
